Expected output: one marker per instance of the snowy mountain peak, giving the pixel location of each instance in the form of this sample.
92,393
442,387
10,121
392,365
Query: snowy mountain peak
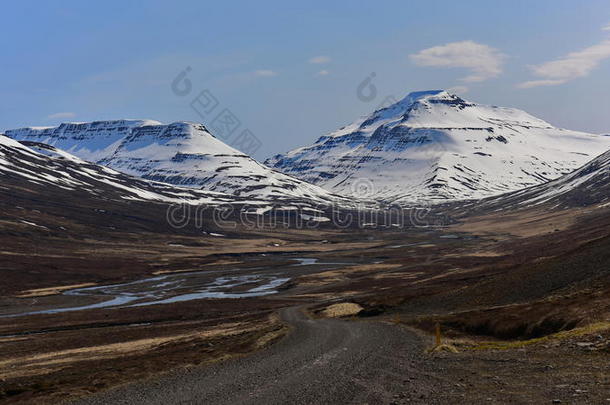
434,146
129,143
100,137
180,153
403,106
419,96
422,96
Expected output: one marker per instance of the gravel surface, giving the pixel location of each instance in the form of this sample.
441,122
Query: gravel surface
321,361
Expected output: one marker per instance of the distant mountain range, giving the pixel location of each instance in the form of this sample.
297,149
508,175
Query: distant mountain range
40,172
433,147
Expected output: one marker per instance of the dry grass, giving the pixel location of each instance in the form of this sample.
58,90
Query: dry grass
559,336
272,336
42,292
341,309
342,274
45,363
525,224
443,348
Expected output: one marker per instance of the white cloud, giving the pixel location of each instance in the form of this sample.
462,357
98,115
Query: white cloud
319,59
265,73
458,90
323,73
482,60
537,83
606,28
570,67
61,115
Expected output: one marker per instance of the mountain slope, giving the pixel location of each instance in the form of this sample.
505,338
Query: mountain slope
39,178
433,146
181,153
39,165
589,186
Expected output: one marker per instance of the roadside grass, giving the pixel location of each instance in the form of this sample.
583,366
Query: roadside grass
517,344
473,343
443,348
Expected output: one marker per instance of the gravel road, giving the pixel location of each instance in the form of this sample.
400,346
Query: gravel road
324,361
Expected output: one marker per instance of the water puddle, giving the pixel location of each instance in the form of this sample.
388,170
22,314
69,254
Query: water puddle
305,261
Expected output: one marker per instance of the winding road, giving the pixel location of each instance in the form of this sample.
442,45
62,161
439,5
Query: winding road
322,361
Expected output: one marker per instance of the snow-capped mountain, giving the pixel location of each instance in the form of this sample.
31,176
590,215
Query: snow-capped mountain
43,187
588,186
181,153
433,146
32,163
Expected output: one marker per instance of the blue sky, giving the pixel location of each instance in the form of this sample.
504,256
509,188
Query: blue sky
290,72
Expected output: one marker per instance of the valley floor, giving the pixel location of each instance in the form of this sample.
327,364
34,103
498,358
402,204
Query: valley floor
526,304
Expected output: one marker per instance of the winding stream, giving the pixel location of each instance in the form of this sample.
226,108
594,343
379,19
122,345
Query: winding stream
180,287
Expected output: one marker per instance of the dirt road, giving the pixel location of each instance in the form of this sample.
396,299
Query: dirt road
320,361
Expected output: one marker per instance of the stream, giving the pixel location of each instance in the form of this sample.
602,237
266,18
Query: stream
180,287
